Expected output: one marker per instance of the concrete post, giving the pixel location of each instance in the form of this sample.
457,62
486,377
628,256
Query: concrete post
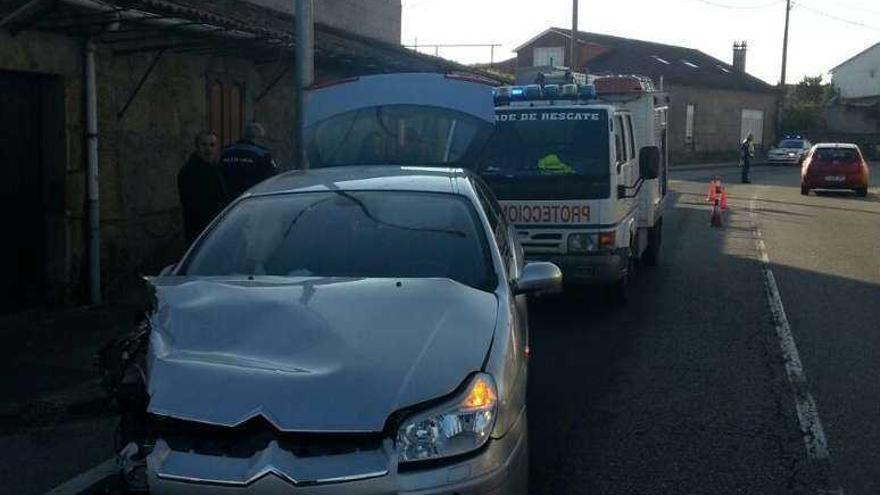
91,108
305,71
572,49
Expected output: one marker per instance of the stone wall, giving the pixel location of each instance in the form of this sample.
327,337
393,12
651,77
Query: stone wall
378,19
140,152
717,121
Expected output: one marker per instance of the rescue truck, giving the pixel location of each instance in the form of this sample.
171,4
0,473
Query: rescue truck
581,171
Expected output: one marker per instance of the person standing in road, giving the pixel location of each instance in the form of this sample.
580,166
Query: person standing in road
747,152
201,187
246,163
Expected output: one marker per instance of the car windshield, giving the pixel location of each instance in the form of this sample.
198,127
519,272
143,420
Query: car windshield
843,155
396,135
791,143
548,153
348,234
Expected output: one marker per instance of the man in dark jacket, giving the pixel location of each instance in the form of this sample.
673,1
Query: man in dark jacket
201,187
746,153
246,163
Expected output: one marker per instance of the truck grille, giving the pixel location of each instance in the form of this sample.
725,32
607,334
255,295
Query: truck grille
541,242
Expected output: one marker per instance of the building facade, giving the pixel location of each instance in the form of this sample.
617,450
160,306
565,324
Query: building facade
165,71
853,114
859,76
713,105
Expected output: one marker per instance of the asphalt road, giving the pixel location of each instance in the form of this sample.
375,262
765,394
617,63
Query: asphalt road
685,389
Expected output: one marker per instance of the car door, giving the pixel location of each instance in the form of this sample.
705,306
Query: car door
516,305
511,253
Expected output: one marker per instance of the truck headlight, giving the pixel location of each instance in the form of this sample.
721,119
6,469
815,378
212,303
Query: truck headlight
458,427
582,243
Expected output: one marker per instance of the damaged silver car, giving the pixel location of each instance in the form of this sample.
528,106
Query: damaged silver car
344,330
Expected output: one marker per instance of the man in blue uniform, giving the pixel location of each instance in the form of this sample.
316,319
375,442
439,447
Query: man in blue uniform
246,163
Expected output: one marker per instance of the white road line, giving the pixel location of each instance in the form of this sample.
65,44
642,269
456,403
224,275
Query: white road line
808,415
87,480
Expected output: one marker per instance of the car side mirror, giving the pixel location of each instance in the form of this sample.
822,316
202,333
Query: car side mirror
539,276
168,270
649,162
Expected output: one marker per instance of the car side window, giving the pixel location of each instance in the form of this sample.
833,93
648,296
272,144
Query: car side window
499,226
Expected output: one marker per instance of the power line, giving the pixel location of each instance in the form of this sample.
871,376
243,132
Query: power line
741,6
851,6
835,17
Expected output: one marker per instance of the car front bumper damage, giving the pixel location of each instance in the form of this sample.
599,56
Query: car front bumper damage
501,467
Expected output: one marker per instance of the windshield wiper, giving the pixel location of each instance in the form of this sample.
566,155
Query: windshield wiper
369,214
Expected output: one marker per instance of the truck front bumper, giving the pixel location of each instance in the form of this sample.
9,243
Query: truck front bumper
594,269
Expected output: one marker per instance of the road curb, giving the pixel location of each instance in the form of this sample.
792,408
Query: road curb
86,400
702,166
89,481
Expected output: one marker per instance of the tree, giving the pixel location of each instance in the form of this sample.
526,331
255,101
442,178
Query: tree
802,110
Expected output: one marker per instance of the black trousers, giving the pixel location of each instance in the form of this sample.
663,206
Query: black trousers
746,165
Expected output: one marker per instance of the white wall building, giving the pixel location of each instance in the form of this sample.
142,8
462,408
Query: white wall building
858,77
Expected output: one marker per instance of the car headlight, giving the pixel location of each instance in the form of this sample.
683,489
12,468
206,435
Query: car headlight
458,427
581,243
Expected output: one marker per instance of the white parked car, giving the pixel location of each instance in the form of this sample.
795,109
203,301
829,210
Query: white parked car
789,151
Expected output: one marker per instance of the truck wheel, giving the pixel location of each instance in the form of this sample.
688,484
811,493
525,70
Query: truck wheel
862,192
655,241
805,190
619,291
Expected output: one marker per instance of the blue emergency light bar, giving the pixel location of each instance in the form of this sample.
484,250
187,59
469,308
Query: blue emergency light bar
535,92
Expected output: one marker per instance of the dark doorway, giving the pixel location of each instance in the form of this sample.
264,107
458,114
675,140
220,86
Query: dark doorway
29,114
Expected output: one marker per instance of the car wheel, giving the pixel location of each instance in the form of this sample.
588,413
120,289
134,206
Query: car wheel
805,190
619,292
862,192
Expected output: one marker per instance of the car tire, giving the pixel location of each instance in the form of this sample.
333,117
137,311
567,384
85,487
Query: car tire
619,291
862,192
805,190
655,242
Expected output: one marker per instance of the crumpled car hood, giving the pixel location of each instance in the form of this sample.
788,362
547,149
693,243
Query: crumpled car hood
315,355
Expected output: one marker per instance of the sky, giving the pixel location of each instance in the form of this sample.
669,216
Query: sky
823,33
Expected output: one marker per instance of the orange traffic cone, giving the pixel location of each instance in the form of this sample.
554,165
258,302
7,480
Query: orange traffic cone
713,191
715,221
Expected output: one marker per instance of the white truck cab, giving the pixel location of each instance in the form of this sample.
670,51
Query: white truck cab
581,172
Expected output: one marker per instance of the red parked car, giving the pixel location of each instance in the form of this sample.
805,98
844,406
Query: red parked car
835,166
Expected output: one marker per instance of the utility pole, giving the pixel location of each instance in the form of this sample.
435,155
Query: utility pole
572,49
305,71
782,88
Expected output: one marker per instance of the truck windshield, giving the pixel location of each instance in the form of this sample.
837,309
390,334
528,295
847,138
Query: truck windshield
548,154
396,135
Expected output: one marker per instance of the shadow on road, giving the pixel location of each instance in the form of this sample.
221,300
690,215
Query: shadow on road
683,390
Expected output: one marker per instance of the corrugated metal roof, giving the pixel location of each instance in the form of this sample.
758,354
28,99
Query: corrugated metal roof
255,31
